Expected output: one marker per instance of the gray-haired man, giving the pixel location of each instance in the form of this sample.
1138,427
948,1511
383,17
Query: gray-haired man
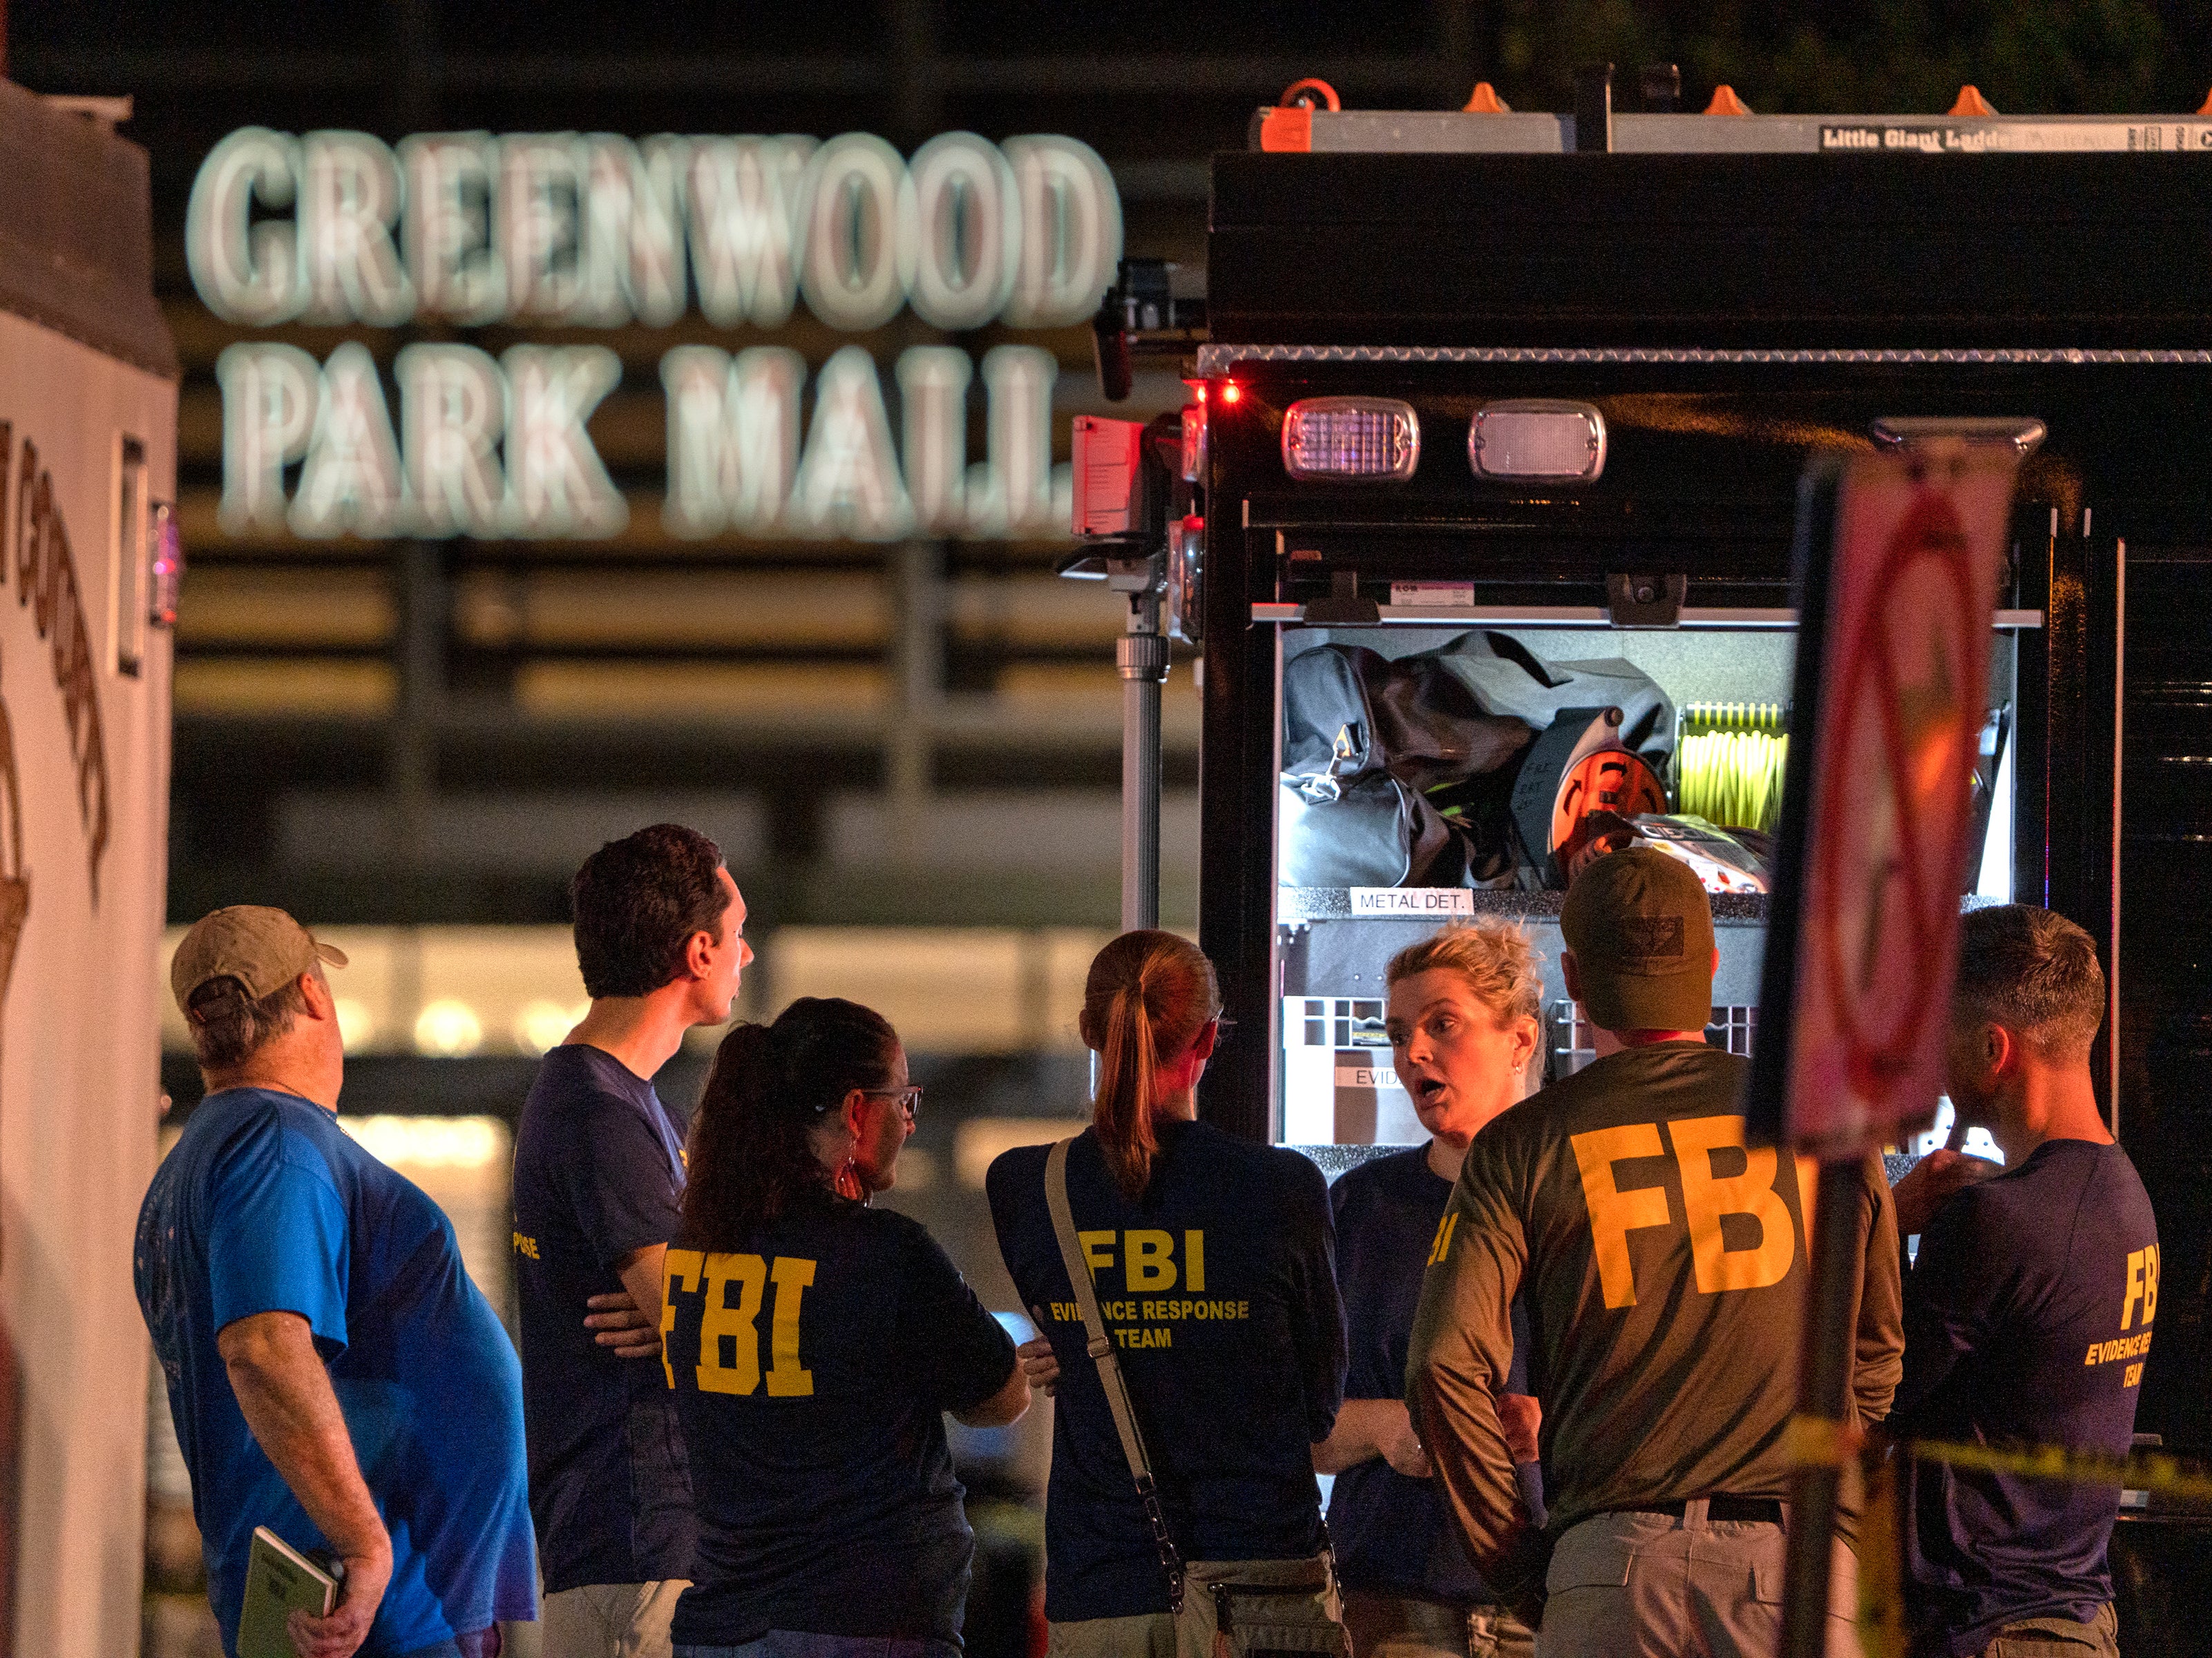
334,1374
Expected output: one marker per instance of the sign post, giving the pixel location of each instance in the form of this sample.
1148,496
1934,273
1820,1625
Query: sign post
1898,555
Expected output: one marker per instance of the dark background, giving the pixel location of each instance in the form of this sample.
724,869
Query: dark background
380,689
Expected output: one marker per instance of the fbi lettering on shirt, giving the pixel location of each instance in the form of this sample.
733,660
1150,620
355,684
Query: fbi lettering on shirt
735,1285
1163,1276
2138,1306
1741,1234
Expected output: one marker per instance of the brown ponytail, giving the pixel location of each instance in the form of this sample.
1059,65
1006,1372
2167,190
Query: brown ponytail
1148,996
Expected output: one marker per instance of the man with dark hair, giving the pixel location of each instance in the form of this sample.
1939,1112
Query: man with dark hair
334,1374
2020,1275
598,1178
1664,1262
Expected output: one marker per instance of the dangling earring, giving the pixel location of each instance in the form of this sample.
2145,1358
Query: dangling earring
848,1180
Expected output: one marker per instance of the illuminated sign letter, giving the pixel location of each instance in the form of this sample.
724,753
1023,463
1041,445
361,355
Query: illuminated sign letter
350,202
968,220
447,225
848,482
452,406
555,484
246,272
1011,494
859,235
351,480
748,211
268,411
732,437
539,223
1071,231
933,395
632,259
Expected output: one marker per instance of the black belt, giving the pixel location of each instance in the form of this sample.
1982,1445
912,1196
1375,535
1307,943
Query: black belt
1743,1510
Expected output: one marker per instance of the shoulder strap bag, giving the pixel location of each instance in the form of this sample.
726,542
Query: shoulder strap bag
1253,1608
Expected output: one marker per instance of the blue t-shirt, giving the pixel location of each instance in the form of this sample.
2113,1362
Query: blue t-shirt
265,1206
598,1173
1220,1285
1392,1534
2027,1320
812,1363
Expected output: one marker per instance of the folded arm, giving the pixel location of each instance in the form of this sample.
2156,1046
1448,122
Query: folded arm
1369,1428
1005,1406
1462,1348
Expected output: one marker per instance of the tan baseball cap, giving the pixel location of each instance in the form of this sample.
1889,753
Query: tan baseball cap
1641,929
263,949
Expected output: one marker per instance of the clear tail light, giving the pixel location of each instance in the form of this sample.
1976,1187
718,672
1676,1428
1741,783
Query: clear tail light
1350,438
1537,438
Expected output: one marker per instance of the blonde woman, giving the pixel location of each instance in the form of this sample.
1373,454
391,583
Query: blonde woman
1464,1033
1211,1259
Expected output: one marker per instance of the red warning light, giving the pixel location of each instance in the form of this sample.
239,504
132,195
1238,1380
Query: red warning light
1231,392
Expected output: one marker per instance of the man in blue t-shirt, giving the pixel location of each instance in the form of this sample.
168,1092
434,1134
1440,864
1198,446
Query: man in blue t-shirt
598,1180
2020,1275
333,1374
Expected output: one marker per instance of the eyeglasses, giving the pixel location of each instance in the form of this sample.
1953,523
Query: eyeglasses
1225,1026
909,1099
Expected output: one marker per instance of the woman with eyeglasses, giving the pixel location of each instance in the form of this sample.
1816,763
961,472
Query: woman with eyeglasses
814,1344
1212,1262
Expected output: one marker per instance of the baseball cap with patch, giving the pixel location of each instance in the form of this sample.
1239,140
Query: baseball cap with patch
1641,929
263,949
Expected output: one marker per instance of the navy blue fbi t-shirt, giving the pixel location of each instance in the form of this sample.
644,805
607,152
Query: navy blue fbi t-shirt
2027,1320
598,1173
1392,1534
1219,1287
812,1366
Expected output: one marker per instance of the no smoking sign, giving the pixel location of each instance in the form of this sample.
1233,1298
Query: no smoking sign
1865,930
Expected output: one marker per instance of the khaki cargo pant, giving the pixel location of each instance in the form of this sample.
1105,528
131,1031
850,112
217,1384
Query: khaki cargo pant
610,1620
1158,1634
1651,1586
1400,1626
2059,1637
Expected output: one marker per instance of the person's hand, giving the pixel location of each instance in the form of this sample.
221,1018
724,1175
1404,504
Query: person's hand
1932,1182
616,1324
340,1635
1401,1447
1040,1365
1520,1416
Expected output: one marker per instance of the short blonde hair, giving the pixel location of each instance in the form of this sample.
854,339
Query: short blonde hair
1494,957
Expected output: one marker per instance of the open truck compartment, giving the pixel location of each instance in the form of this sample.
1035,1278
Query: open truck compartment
1658,590
1463,383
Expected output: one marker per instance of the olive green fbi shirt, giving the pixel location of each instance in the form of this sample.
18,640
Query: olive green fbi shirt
1664,1263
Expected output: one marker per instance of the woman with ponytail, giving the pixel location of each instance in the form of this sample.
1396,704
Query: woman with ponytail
1212,1262
814,1344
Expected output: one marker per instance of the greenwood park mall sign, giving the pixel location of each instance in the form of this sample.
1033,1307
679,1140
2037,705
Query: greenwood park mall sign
467,230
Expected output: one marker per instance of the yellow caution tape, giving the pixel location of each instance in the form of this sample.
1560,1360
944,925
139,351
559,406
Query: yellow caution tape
2147,1471
1819,1442
1812,1441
